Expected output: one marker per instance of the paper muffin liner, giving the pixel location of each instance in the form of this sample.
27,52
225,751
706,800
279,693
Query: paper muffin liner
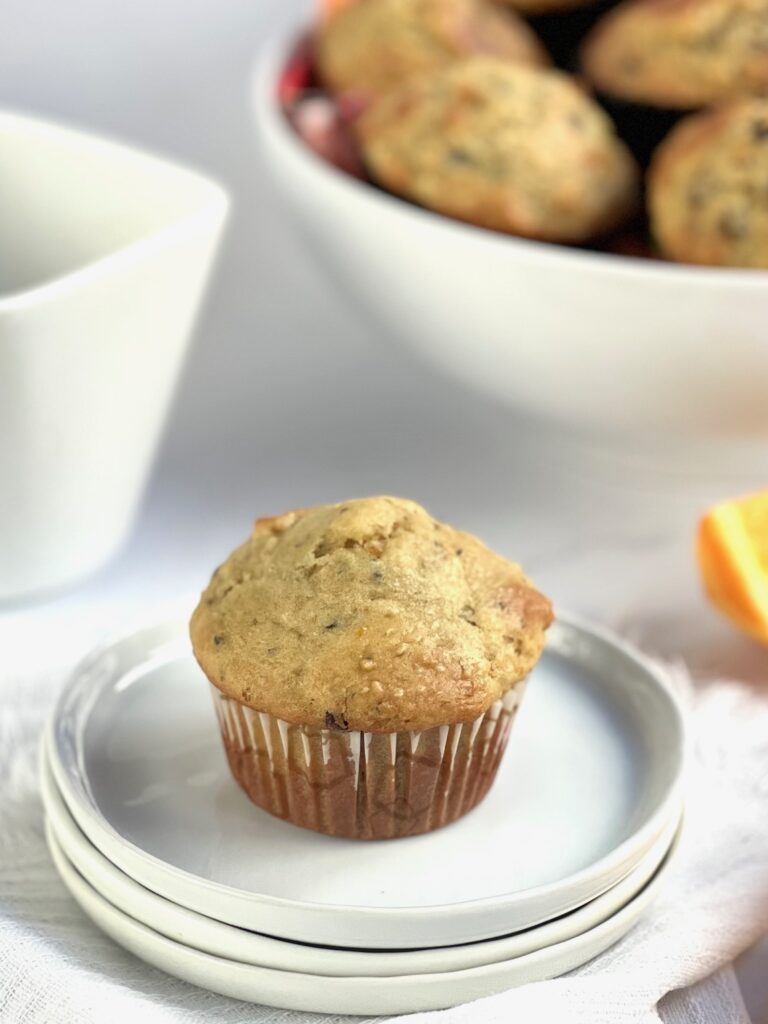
365,785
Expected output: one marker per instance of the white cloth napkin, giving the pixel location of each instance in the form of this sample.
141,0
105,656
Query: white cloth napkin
55,966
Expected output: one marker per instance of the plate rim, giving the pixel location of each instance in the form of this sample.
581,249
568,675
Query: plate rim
614,929
60,821
131,858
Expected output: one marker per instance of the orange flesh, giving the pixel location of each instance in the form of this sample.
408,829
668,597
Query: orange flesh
733,557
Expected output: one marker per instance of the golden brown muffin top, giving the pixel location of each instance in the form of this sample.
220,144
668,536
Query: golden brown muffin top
680,54
516,149
368,615
375,45
708,187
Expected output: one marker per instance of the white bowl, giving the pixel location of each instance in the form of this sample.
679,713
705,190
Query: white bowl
597,342
104,253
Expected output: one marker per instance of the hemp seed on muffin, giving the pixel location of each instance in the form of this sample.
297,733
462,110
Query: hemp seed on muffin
366,662
373,46
680,54
708,187
516,149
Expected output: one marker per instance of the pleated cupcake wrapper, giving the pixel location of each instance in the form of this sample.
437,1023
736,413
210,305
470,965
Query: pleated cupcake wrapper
362,784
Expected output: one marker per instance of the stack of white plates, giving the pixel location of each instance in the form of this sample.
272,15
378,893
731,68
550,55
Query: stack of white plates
162,850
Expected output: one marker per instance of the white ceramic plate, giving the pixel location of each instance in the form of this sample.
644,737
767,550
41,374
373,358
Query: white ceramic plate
292,990
229,942
591,778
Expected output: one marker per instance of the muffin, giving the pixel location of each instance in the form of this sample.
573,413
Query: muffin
366,662
373,46
516,149
708,187
680,54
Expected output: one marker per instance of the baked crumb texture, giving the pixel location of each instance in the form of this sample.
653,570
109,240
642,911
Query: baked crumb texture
516,149
369,48
680,54
708,187
368,615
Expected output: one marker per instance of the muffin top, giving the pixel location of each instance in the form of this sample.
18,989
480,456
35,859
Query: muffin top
373,46
367,615
517,149
680,54
708,187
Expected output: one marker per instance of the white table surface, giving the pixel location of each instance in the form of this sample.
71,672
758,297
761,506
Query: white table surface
292,397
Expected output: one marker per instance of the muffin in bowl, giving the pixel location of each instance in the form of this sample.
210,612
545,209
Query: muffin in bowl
366,662
708,187
680,54
486,141
652,61
370,47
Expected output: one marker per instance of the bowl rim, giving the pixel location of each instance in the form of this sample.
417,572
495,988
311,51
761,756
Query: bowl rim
273,124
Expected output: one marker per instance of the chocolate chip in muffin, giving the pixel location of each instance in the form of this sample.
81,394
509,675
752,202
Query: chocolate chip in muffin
333,722
734,224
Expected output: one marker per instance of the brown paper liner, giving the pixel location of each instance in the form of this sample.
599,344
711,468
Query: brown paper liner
365,785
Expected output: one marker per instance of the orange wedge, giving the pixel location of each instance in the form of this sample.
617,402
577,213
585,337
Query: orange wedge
732,550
